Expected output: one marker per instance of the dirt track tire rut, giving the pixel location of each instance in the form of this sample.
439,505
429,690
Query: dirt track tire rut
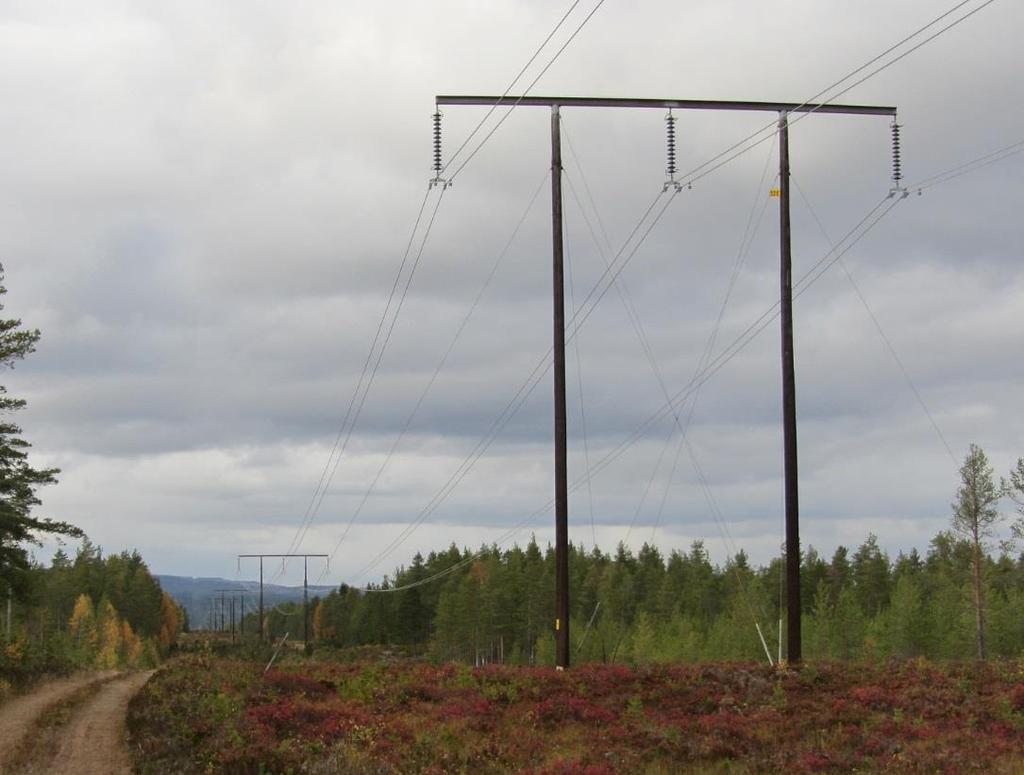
95,738
19,716
92,741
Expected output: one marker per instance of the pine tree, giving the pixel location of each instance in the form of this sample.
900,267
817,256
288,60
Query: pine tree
19,480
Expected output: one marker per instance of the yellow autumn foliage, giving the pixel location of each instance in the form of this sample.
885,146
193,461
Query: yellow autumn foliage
318,621
83,625
109,627
170,623
131,646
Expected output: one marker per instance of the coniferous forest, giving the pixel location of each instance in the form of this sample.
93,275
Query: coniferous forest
645,607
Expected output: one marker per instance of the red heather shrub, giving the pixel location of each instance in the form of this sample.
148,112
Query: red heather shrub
470,707
298,717
812,761
871,697
1002,731
561,708
562,767
495,672
291,683
725,725
1017,698
421,692
604,679
443,673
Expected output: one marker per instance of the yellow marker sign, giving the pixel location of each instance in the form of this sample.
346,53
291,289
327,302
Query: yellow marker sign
558,624
775,192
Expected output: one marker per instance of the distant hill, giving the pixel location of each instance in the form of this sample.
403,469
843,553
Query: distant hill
199,596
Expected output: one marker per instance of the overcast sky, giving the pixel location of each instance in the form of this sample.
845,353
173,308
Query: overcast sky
204,207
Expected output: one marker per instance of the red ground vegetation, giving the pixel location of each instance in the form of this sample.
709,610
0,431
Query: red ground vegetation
206,714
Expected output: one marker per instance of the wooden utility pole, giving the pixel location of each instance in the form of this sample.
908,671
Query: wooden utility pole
790,479
561,443
305,585
788,369
305,601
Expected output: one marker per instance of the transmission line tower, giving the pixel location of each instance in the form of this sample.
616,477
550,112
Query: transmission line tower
235,593
783,109
305,585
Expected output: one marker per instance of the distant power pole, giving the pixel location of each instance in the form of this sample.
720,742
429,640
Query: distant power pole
305,586
234,592
788,371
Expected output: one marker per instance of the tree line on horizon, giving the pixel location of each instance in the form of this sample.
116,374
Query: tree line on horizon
646,607
963,598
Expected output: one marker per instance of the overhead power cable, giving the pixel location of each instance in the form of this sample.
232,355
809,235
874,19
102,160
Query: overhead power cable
878,327
633,242
579,378
724,356
526,91
443,361
701,171
510,86
341,435
520,397
707,168
638,328
753,223
359,397
849,240
320,490
695,174
969,166
745,145
767,131
631,311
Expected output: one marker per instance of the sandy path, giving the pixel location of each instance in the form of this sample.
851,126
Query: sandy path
18,716
94,740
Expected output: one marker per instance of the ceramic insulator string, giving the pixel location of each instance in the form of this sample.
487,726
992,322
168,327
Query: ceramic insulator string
437,143
670,145
897,168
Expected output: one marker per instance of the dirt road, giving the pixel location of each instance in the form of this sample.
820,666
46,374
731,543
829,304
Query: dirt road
93,740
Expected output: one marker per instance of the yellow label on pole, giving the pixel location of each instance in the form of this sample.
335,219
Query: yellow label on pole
775,192
558,624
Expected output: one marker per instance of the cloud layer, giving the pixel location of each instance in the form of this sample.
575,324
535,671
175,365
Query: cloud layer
205,208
